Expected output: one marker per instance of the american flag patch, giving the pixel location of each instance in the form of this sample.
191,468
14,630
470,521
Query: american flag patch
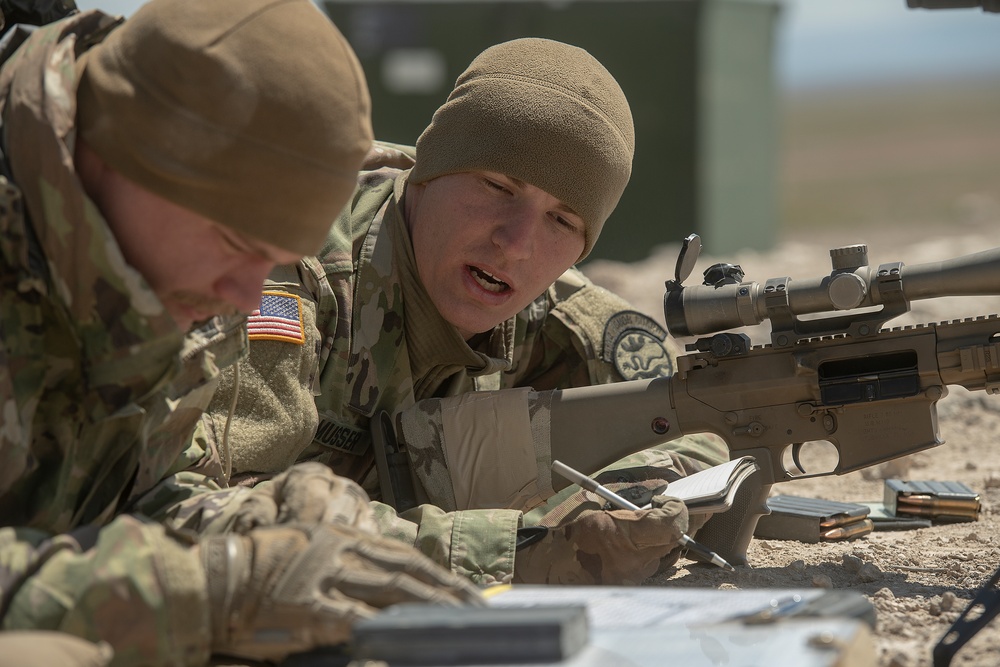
278,318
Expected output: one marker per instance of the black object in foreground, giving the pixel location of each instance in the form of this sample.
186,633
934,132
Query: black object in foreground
419,634
984,608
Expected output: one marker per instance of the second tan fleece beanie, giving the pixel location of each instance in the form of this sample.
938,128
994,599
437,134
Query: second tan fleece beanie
541,111
253,113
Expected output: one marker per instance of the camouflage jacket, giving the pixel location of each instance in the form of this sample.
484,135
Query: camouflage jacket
99,391
331,348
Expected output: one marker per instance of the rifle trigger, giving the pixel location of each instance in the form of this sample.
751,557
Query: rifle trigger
796,450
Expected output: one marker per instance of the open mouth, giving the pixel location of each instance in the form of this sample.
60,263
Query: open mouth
488,281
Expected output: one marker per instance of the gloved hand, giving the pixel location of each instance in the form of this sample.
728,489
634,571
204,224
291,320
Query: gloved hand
587,543
306,493
655,466
291,588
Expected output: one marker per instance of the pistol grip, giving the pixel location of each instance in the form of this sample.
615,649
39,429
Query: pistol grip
729,533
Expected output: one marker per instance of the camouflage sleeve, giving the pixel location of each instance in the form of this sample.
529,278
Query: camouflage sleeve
190,495
478,544
274,417
580,334
130,583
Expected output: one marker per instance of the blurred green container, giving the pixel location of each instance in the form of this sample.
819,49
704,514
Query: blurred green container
698,74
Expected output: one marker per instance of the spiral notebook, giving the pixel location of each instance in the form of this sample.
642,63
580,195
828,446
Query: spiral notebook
713,490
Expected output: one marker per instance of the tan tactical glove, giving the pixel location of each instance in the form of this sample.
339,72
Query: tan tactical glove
306,493
587,543
287,589
649,468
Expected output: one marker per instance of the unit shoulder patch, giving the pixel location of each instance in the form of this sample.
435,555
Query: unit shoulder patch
279,318
633,342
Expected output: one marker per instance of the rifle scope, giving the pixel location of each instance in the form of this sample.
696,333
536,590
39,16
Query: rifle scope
727,301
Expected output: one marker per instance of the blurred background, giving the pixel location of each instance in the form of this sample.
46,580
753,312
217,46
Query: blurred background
756,120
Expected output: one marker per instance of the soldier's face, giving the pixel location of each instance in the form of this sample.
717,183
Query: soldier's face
197,267
486,245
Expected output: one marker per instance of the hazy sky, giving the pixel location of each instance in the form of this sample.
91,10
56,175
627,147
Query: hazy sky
841,41
823,42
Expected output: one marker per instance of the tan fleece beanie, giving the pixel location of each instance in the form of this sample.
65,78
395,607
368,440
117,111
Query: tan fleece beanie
253,113
541,111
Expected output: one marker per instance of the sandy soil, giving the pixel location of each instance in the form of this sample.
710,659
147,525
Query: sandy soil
918,580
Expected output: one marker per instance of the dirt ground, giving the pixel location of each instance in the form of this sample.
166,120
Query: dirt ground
918,580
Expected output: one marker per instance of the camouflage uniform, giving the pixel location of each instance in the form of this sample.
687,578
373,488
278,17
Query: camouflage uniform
99,394
352,349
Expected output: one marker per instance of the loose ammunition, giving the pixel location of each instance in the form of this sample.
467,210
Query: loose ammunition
936,512
856,529
836,521
940,504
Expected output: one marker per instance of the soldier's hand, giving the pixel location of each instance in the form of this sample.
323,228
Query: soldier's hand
306,493
287,589
586,543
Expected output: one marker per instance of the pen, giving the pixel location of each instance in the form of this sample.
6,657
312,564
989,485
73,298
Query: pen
775,609
585,482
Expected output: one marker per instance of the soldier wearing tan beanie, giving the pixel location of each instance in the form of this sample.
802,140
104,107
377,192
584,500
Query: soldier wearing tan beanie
450,275
152,173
